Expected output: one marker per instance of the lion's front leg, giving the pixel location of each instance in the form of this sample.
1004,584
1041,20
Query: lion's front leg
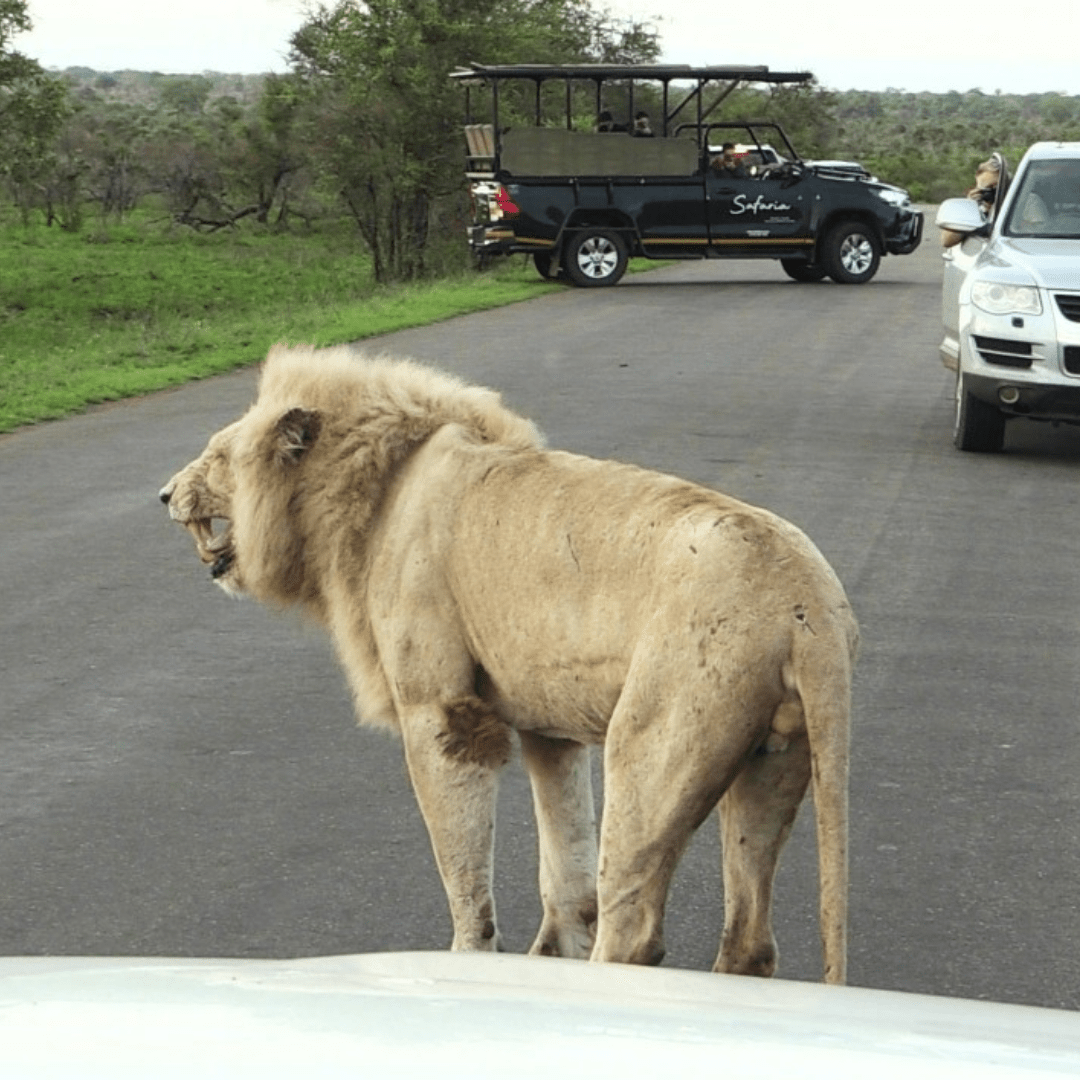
454,753
566,823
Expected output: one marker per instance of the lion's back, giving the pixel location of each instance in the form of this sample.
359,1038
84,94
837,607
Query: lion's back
581,550
621,525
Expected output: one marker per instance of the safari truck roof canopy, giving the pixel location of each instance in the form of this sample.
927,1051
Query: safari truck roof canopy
543,151
659,72
490,75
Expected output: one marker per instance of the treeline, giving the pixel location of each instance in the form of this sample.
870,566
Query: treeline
930,143
365,128
927,143
205,151
211,149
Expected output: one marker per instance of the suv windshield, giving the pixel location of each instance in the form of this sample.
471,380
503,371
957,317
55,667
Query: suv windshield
1047,203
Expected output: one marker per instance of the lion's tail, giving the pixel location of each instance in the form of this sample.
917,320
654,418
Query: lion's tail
824,657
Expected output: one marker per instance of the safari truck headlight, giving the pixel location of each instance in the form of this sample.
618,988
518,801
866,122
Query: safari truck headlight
893,196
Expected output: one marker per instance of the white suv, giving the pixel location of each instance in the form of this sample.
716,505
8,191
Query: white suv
1011,300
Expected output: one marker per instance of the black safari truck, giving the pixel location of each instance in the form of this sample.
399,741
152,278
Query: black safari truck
632,165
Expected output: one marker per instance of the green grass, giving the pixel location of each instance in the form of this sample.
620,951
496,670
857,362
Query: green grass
97,317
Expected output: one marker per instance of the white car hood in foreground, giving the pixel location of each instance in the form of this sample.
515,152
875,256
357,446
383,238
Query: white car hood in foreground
1052,264
446,1015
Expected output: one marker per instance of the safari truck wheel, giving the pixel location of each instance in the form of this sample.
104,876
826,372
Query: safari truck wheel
547,266
851,254
595,257
799,270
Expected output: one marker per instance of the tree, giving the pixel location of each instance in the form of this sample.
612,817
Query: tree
274,164
33,106
185,94
383,120
13,20
117,141
805,110
232,161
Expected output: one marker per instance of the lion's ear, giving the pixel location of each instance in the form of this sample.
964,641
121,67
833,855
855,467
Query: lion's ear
296,431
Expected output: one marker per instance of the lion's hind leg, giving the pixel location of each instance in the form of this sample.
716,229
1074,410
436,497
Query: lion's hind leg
808,736
757,813
566,823
664,773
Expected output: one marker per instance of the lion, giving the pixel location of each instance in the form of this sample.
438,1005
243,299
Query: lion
485,593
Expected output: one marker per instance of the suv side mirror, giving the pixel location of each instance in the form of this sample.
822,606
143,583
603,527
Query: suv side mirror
960,216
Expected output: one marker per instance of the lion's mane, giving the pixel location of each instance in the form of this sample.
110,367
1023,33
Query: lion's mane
313,459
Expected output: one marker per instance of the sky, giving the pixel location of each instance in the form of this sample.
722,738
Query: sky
849,44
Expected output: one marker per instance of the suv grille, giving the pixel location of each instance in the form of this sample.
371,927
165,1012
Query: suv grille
1069,303
1004,353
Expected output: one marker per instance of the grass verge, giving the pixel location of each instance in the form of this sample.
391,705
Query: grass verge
92,318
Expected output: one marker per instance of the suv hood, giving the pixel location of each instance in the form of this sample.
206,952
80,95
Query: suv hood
1051,264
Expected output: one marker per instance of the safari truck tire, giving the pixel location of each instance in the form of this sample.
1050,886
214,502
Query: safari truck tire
851,255
800,270
594,257
547,265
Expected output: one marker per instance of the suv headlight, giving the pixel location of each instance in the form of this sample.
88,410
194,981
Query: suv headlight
1006,299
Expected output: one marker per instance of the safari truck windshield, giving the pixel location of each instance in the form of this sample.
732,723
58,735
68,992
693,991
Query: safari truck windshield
584,167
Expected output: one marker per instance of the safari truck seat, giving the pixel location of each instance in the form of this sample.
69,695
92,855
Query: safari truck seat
536,151
480,139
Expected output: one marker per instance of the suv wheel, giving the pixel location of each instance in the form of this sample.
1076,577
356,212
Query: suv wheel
799,270
978,427
851,254
595,257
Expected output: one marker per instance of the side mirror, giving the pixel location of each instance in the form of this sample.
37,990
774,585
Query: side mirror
960,216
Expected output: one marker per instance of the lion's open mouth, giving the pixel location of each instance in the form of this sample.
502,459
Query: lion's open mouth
221,567
213,547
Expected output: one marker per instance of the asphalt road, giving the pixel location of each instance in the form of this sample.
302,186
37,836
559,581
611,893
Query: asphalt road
180,773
